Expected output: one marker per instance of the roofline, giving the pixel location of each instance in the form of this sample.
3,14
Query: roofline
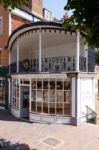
54,25
34,14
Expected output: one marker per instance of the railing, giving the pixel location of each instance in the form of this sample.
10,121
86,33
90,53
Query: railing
91,115
51,64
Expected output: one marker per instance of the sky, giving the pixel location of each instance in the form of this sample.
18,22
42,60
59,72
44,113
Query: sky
55,6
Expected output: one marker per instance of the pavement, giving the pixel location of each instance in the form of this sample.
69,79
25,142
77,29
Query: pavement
16,134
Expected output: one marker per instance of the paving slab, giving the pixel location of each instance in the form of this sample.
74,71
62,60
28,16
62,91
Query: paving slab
16,134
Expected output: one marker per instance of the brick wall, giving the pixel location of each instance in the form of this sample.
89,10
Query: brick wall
17,22
4,36
37,6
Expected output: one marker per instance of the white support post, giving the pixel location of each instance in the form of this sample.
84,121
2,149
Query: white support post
40,50
10,26
86,56
17,55
78,51
30,88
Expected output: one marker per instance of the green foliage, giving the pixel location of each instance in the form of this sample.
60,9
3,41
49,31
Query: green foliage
11,4
85,17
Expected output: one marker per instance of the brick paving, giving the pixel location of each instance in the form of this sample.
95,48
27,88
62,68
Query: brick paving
19,135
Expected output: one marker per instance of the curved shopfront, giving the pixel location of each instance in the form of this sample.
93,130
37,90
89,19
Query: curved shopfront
43,99
48,74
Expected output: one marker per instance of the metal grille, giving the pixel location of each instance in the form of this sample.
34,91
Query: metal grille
51,142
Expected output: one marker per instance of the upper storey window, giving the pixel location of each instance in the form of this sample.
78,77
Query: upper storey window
1,25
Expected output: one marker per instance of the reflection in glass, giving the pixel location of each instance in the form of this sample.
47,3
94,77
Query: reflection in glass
66,96
39,107
39,84
59,108
45,84
59,96
45,95
52,96
59,85
33,106
39,95
52,85
66,85
33,84
45,107
52,108
33,95
66,109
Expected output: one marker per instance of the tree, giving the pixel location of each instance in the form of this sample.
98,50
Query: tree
85,17
11,4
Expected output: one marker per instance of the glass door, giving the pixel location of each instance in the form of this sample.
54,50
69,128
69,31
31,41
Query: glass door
24,97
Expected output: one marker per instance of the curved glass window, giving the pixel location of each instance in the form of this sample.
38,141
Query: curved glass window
15,93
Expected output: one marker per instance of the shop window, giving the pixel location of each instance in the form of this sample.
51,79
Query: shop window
51,96
39,84
33,84
66,85
34,95
15,93
59,108
52,84
39,96
45,107
1,25
59,85
33,106
39,107
52,108
60,96
24,81
2,91
66,109
45,84
45,95
66,96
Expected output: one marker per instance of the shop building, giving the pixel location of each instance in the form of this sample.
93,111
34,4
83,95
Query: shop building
49,78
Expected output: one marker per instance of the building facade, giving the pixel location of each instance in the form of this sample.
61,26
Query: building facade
9,21
49,81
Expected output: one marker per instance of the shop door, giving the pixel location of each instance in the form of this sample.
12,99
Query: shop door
24,97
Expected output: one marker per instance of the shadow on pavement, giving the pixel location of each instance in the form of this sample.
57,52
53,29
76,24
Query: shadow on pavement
6,145
5,115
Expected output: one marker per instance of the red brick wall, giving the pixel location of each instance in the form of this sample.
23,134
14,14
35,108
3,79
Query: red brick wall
17,22
4,36
37,6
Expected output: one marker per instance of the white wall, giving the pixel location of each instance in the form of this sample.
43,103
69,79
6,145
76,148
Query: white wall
85,96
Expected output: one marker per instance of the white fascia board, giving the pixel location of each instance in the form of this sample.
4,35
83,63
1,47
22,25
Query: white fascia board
22,14
37,15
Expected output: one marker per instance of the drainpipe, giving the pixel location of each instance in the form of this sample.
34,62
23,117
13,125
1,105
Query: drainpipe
17,55
40,50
